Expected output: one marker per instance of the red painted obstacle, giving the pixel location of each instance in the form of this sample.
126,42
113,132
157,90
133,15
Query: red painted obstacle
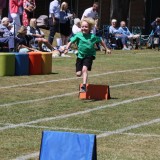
97,92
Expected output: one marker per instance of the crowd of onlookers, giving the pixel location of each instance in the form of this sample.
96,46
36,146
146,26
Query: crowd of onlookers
24,34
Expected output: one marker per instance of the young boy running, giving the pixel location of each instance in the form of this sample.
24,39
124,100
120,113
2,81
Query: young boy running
86,51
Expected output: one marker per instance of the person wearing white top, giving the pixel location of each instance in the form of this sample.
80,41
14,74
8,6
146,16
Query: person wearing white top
54,15
123,29
91,12
77,26
38,35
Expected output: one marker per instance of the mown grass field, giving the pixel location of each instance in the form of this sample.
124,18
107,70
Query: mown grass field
127,126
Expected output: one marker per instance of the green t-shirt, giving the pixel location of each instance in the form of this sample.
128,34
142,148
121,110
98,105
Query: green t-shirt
85,43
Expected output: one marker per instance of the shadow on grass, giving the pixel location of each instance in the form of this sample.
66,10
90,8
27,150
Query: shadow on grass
97,100
54,73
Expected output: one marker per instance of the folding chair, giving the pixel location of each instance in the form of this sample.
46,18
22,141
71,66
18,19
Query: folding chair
110,40
136,30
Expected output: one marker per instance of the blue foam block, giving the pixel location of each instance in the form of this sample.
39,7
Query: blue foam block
21,64
67,146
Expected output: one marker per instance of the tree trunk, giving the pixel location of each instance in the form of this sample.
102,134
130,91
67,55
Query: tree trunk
119,9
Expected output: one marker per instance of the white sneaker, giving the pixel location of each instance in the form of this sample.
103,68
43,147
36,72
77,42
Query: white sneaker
125,48
64,55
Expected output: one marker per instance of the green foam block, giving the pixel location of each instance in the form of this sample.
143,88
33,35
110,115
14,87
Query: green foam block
7,64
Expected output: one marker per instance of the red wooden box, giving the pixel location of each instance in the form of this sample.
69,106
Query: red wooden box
97,92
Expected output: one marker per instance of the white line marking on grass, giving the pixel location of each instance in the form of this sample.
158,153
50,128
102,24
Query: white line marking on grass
38,100
59,128
74,78
29,156
141,135
70,94
118,131
106,134
132,83
78,113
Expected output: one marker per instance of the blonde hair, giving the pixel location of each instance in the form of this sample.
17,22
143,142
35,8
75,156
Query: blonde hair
63,5
32,22
90,22
22,29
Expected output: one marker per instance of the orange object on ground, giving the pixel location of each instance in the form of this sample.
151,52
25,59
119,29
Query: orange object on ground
96,92
46,62
35,63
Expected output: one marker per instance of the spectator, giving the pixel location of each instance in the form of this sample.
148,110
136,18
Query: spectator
65,29
123,29
2,6
113,29
24,45
54,15
92,12
77,26
28,7
14,8
155,34
38,35
156,27
7,37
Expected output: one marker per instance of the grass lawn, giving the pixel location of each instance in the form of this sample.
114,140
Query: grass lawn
127,126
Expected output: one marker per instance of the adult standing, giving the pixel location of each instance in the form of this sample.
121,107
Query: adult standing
65,29
28,7
91,12
54,15
2,6
15,11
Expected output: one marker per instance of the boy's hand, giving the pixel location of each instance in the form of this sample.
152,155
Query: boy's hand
107,51
65,51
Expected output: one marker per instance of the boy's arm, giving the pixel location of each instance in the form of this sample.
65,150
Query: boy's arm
68,46
105,47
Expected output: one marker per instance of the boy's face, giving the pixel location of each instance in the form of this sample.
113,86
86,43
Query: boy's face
85,27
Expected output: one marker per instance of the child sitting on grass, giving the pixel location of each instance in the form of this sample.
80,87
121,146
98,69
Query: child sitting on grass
86,51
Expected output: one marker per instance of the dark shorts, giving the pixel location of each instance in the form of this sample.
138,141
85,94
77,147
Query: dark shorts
65,29
84,62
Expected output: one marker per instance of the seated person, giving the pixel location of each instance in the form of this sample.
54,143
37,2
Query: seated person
77,26
24,45
37,35
123,29
7,37
114,31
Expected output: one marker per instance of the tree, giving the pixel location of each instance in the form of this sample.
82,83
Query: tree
119,9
